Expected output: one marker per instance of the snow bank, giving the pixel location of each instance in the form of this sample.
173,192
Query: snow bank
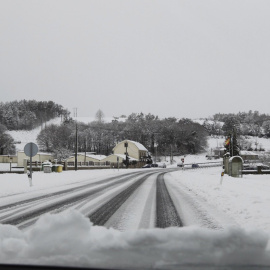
245,201
70,239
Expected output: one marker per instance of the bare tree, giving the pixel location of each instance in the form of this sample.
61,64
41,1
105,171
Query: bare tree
100,116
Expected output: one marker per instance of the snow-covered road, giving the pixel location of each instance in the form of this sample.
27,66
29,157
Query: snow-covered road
134,200
232,224
99,200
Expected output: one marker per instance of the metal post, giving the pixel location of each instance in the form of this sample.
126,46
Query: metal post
126,145
31,153
76,148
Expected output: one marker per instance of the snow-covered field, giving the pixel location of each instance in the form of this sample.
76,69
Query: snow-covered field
26,136
237,208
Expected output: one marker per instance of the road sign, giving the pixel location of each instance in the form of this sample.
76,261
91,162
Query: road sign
30,149
182,160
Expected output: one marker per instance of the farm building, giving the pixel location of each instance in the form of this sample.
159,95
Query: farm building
38,157
8,159
134,149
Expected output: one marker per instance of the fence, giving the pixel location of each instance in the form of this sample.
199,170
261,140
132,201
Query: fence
88,165
37,165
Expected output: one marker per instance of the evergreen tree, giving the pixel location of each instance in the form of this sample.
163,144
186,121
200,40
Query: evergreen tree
231,144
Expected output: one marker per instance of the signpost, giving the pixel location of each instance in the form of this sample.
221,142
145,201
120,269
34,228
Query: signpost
30,150
183,160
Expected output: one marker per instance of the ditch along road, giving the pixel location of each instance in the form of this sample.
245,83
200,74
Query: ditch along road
141,199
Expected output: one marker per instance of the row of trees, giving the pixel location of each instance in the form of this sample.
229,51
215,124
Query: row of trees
27,114
169,134
250,123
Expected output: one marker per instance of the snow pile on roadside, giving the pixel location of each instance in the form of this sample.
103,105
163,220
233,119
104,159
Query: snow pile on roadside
70,239
245,201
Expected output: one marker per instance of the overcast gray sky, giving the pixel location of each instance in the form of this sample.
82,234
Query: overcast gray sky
170,58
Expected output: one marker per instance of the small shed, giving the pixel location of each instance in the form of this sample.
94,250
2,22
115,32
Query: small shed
235,166
219,151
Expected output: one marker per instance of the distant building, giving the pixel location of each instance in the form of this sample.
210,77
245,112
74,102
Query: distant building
134,149
219,151
249,155
8,159
216,153
38,157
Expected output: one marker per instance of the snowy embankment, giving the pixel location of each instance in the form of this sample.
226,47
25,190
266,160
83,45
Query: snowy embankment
70,239
244,200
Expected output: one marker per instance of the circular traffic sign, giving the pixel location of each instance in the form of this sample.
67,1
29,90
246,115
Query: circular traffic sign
30,149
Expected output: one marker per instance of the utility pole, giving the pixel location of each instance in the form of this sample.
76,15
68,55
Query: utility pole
171,156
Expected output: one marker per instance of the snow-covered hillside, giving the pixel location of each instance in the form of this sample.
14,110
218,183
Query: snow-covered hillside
26,136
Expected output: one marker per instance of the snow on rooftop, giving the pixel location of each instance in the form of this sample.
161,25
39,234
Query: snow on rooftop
139,145
98,157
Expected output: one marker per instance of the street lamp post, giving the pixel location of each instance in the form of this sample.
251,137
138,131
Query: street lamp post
126,145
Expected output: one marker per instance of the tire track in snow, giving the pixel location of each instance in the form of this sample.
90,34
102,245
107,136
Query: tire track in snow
63,192
192,208
167,215
103,214
70,201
